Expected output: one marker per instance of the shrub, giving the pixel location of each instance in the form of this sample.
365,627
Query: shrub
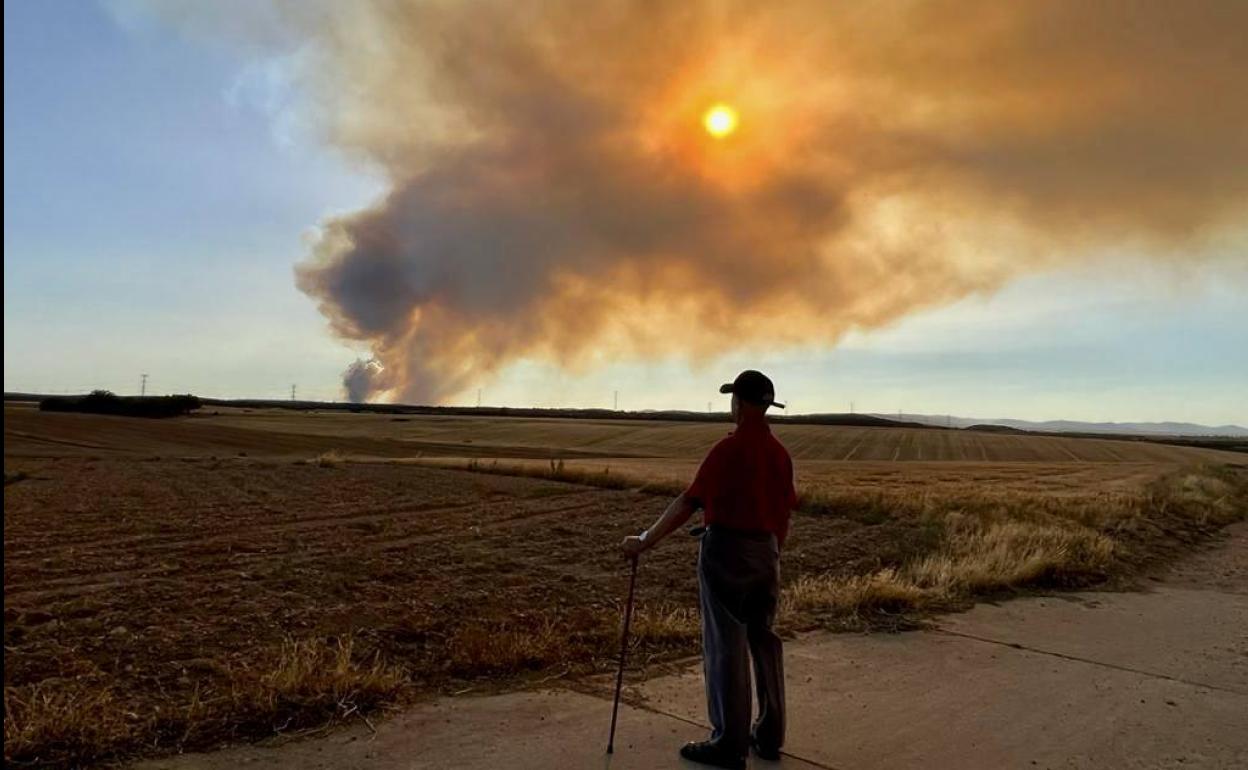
104,402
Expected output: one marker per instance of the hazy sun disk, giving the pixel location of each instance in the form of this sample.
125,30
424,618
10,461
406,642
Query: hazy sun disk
720,120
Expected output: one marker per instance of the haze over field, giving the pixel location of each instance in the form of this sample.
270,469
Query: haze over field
1033,209
1072,426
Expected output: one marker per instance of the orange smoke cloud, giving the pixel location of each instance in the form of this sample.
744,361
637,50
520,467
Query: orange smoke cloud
553,194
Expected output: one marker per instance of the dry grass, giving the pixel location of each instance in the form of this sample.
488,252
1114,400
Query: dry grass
63,722
310,675
665,625
987,547
882,591
329,459
989,541
973,560
576,643
1208,496
304,683
506,647
978,560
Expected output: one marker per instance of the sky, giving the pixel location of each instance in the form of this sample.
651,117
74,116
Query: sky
162,186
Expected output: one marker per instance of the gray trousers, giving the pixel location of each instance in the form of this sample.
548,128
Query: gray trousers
739,581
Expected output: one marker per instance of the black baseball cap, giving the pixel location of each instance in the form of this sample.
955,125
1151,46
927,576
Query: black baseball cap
753,386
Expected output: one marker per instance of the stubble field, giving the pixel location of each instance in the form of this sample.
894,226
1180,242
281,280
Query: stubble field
173,584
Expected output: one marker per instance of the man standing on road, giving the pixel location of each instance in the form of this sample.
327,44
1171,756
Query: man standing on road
745,491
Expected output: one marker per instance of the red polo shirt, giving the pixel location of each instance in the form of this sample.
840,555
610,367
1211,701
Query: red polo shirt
746,482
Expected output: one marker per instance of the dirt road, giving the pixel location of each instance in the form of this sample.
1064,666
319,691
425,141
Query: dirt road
1135,680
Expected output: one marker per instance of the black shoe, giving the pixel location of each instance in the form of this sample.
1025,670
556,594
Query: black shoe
707,753
764,752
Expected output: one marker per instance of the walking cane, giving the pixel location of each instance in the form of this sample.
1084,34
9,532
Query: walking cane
619,677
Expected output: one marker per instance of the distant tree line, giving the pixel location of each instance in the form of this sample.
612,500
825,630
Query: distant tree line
861,420
105,402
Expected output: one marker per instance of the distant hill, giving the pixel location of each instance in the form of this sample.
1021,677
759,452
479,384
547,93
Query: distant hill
861,420
988,428
1074,426
1141,428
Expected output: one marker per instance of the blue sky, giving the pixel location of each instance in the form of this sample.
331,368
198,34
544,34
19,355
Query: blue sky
157,196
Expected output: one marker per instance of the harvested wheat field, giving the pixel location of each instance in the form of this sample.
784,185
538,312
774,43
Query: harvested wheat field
229,431
178,583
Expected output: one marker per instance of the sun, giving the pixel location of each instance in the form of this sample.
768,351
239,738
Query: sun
720,121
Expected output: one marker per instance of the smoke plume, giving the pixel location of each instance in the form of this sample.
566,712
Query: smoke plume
553,195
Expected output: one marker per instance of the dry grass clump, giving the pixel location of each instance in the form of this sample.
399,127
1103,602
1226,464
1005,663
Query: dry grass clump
868,506
1214,496
662,487
312,675
61,723
329,459
972,560
987,546
666,625
854,595
976,559
532,644
495,648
